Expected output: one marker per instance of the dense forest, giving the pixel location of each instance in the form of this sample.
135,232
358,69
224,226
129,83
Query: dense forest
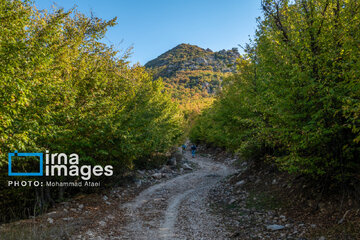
295,99
193,75
64,91
292,99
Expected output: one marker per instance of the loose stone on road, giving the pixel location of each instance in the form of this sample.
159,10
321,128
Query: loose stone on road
177,208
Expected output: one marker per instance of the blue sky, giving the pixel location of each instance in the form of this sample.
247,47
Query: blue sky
155,26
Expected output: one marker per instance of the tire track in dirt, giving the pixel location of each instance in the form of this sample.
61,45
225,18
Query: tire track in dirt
177,208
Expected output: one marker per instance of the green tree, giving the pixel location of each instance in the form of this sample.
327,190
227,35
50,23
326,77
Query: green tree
296,98
64,90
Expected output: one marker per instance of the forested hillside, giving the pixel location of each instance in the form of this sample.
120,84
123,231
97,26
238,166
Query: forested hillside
295,99
64,91
283,117
193,75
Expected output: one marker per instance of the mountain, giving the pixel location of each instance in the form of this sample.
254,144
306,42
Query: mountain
193,74
190,57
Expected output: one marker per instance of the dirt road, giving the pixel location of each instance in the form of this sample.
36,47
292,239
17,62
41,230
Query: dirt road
177,208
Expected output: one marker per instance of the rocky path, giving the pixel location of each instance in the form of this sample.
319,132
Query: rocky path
210,201
176,208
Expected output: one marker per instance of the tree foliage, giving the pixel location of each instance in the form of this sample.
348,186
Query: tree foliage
193,75
63,90
296,98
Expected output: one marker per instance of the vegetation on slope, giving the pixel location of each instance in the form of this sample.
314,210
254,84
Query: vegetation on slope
295,99
193,75
64,91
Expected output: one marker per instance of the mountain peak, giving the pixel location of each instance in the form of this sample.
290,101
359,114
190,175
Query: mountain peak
181,52
191,57
190,71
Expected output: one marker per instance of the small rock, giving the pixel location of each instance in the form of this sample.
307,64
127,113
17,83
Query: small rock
165,169
275,227
138,183
232,201
172,161
239,183
81,206
50,220
274,181
187,167
157,175
90,233
232,160
102,223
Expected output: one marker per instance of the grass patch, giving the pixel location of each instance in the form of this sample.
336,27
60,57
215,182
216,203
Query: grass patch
262,201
